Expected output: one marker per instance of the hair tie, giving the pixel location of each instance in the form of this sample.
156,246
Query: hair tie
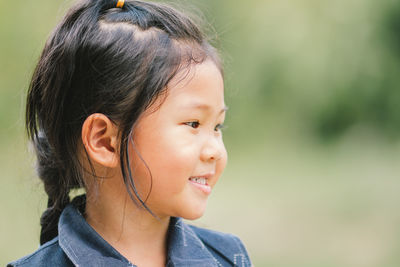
120,3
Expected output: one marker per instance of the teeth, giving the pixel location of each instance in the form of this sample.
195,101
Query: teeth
199,180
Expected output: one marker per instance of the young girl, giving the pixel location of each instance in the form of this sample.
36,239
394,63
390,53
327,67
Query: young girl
127,102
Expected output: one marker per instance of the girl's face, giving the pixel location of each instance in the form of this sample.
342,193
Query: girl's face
181,144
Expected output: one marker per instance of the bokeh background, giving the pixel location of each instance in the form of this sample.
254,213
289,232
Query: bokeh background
313,128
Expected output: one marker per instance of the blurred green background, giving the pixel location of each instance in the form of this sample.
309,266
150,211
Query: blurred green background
313,128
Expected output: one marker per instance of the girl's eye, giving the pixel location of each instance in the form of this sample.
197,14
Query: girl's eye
193,124
219,127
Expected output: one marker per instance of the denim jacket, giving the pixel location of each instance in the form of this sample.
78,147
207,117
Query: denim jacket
78,244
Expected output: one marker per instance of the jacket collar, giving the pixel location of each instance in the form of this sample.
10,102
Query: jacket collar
82,244
185,248
85,247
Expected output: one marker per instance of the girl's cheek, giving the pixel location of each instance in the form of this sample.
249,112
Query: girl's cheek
223,161
175,154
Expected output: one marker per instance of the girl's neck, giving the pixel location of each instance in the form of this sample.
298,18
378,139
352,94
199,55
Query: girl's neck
131,230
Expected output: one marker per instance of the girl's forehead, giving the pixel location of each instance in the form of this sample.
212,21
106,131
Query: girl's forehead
200,87
196,75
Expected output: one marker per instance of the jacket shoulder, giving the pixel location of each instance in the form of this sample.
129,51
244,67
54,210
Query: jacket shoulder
226,246
49,254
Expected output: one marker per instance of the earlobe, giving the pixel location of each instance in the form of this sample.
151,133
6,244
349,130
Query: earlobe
99,137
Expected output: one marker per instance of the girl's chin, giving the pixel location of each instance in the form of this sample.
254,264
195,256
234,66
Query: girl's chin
193,214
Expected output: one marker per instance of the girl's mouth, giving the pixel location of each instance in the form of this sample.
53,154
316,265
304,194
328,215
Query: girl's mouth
199,180
201,184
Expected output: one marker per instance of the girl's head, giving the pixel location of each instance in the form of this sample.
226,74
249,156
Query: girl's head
138,89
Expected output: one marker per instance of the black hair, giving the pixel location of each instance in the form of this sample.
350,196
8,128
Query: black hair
102,59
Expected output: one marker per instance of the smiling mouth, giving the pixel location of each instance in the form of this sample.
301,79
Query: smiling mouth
199,180
201,184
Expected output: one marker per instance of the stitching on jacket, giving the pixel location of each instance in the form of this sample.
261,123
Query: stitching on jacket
230,256
235,256
65,241
185,230
243,254
183,234
70,249
218,263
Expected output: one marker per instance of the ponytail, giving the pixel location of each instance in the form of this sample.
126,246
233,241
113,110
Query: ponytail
58,192
53,140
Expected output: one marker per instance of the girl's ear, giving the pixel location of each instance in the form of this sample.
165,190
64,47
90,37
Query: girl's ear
99,137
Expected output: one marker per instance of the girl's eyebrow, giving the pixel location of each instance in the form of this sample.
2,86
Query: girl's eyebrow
203,107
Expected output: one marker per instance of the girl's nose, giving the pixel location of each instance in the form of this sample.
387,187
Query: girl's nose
213,150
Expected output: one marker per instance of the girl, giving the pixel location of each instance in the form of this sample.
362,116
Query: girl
127,102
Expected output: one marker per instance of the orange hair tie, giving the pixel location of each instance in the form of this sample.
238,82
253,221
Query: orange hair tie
120,3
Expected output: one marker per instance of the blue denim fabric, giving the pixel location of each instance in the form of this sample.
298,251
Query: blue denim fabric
78,244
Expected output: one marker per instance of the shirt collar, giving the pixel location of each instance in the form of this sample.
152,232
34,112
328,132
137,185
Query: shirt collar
85,247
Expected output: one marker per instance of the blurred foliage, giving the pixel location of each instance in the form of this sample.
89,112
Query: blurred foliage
332,64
